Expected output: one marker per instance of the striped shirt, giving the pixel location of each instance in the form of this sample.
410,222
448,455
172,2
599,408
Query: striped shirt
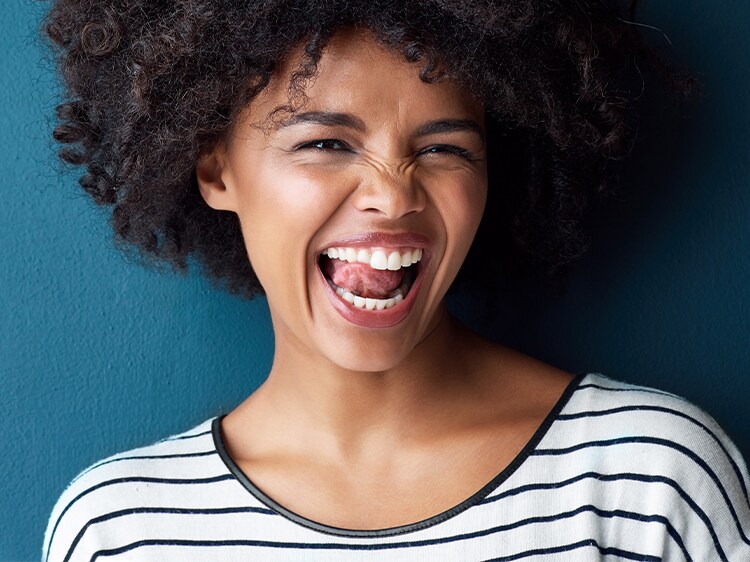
615,472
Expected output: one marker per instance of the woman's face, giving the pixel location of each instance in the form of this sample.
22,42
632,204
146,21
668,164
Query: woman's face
357,211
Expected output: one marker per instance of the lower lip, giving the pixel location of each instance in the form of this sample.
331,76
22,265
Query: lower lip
374,318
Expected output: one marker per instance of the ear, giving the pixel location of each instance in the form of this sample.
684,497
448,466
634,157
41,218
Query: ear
210,171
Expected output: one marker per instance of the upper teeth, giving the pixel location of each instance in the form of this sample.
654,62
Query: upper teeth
377,259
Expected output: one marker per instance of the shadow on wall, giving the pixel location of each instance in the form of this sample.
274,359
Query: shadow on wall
662,298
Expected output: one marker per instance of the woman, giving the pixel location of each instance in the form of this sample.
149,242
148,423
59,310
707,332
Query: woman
339,158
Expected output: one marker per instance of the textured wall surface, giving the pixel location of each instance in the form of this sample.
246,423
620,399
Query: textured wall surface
98,355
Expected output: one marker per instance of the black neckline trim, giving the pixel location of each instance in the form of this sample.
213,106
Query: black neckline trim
409,527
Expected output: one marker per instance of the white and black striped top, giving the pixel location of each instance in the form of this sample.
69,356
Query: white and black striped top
616,472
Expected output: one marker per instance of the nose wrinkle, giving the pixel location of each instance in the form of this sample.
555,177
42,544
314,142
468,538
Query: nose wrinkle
393,194
389,186
392,166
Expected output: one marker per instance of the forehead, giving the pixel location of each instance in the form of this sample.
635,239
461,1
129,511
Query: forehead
357,74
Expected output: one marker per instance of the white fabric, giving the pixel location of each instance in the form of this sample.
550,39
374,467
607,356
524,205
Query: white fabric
620,473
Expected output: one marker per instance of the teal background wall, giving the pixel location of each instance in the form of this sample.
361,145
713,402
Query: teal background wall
98,355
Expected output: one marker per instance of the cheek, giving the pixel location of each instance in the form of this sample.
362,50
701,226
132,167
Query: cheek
473,201
462,212
313,193
288,198
461,200
281,208
463,227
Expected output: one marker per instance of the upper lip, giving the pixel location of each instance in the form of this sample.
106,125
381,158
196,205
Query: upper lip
380,240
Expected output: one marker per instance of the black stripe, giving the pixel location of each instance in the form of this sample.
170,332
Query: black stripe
604,551
635,389
411,527
663,443
147,457
641,408
406,544
161,510
168,439
177,481
642,478
181,437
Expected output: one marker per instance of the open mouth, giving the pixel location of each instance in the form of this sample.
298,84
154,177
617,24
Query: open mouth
370,278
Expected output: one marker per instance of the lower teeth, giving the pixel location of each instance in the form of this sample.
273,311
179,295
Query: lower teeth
371,304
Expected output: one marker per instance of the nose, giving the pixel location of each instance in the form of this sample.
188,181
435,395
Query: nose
392,193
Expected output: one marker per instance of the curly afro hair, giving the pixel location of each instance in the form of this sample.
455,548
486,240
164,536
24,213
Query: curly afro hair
152,84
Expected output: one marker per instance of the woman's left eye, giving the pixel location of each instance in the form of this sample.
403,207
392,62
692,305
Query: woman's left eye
324,144
335,145
447,149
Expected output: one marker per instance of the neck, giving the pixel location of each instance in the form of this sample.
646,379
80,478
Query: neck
345,413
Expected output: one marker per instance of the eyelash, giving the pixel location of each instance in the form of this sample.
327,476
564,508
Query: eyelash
448,148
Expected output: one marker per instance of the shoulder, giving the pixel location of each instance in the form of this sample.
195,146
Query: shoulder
641,409
663,456
139,479
609,412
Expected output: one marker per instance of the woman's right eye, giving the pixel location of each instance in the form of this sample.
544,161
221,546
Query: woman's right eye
324,144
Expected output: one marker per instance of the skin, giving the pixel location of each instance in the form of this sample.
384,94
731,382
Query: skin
362,427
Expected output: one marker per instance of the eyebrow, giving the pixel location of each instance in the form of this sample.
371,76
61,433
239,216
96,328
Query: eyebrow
330,119
333,119
450,126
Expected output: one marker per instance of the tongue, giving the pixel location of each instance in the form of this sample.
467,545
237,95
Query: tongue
362,280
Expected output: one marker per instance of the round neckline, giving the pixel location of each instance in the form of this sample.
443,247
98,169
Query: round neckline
475,498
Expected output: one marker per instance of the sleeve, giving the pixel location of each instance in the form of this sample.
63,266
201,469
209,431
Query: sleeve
714,519
71,534
67,522
682,477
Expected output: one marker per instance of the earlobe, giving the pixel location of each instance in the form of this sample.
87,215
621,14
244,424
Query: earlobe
209,171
